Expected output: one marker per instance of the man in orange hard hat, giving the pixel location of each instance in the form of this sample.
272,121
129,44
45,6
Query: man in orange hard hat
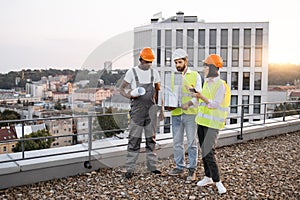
143,112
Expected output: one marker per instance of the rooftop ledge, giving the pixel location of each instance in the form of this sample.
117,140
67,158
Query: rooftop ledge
112,153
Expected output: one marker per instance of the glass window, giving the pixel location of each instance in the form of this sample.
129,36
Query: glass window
212,50
201,37
224,37
4,149
201,56
167,126
190,38
190,52
212,37
159,38
235,57
168,57
233,104
256,108
247,57
245,102
246,80
168,38
224,53
179,38
234,80
257,81
235,37
247,37
258,57
223,76
233,121
258,37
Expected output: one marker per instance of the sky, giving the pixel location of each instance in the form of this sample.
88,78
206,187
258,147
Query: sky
63,34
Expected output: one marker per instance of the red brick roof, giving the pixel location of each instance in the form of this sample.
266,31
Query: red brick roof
8,134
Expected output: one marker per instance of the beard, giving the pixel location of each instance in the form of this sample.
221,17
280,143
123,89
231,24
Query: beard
181,69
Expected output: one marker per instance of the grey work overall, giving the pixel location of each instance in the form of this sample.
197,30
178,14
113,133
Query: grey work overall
143,117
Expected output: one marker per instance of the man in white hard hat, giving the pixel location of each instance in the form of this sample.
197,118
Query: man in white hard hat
183,118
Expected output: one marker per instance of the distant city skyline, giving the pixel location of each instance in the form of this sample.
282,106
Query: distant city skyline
65,34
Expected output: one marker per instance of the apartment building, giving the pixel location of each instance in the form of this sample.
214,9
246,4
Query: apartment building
242,45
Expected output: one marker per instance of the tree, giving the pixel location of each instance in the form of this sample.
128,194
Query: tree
111,123
35,144
8,115
57,105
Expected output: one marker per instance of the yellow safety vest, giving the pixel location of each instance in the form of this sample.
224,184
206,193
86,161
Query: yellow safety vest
213,117
190,80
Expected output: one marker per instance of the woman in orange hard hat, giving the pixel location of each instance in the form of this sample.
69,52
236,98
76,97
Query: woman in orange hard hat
213,108
143,112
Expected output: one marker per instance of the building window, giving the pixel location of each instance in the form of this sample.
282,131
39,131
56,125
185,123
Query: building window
247,37
179,38
235,47
234,80
258,56
168,57
190,46
247,57
190,38
245,102
223,76
257,81
233,104
256,108
212,41
4,149
167,126
233,121
258,47
201,47
158,51
190,52
168,38
246,80
224,46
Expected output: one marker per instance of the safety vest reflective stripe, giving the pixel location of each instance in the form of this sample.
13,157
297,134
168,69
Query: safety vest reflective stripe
214,118
219,108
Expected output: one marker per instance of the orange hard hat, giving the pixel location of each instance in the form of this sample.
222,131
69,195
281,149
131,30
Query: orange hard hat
147,54
214,59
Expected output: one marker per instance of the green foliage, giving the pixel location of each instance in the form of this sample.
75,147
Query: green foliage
8,115
57,105
111,123
291,109
35,144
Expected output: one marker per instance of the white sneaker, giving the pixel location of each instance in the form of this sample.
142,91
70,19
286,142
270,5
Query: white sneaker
205,181
221,188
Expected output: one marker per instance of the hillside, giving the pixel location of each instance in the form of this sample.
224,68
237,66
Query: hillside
282,74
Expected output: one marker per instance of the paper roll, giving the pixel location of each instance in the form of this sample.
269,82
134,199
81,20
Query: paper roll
139,91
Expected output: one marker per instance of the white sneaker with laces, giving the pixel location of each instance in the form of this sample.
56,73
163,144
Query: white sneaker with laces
205,181
221,188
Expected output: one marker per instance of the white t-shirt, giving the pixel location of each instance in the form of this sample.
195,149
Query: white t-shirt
144,76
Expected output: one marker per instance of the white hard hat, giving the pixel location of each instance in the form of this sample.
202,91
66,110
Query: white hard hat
179,53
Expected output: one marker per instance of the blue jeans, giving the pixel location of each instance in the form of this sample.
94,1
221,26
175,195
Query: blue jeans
179,124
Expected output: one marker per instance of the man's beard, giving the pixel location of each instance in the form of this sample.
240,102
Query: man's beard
181,69
145,66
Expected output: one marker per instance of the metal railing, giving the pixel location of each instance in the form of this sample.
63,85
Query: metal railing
284,109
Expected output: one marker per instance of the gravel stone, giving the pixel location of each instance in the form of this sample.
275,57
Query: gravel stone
266,168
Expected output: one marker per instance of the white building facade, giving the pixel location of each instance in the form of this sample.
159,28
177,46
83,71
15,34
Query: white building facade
242,45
